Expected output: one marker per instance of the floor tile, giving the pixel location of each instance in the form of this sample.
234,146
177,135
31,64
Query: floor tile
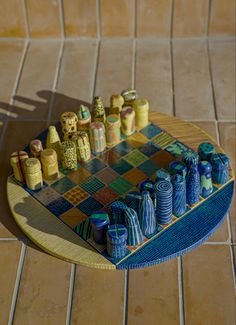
76,195
153,56
222,20
94,165
135,176
121,166
120,185
106,195
12,22
79,176
109,289
223,74
151,301
209,127
193,94
116,18
107,175
114,54
76,78
34,92
89,205
135,157
73,217
44,18
207,283
43,292
9,259
63,185
80,18
92,185
186,25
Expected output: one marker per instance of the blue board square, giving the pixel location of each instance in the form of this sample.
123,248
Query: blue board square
149,149
123,148
94,165
89,205
121,166
92,185
151,131
148,167
59,206
176,149
63,185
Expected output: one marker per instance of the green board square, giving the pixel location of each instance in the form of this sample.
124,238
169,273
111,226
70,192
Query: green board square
121,166
63,185
135,158
120,185
92,185
148,167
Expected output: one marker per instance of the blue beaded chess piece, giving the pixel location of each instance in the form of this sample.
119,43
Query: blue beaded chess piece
117,212
133,199
179,195
116,241
220,168
178,167
164,191
162,174
206,150
147,218
193,185
135,236
99,221
190,158
205,169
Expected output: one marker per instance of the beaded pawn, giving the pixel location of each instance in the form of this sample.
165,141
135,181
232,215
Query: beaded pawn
179,195
205,169
69,155
193,185
220,168
206,150
190,158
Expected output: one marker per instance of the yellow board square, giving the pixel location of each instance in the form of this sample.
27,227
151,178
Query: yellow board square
137,140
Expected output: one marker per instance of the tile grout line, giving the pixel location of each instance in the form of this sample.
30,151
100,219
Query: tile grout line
181,291
96,70
26,19
134,65
233,264
70,294
126,289
98,16
62,19
135,19
17,282
208,18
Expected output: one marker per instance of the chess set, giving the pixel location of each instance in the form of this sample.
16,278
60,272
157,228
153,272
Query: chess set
116,179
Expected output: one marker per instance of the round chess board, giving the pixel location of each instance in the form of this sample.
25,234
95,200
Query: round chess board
56,218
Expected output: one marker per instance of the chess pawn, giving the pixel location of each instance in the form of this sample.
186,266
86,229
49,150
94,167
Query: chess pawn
141,108
220,168
127,117
17,163
69,155
135,236
53,141
117,209
133,199
116,241
36,148
193,185
148,185
205,169
129,95
164,192
84,118
162,174
147,218
178,167
97,137
69,122
206,150
49,164
179,195
33,174
113,129
99,114
116,103
82,145
190,158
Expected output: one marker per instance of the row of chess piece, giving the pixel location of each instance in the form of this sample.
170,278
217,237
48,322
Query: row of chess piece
81,136
156,202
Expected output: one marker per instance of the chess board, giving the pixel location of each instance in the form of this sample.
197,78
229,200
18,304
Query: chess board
107,177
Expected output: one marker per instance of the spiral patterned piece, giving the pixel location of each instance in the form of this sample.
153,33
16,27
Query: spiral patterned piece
163,191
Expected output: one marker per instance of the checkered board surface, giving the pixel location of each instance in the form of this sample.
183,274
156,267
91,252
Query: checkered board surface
108,177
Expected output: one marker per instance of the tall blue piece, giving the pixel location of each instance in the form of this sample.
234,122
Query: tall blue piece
116,241
206,150
193,185
117,209
220,168
135,236
147,218
178,167
190,158
133,199
179,195
205,169
164,191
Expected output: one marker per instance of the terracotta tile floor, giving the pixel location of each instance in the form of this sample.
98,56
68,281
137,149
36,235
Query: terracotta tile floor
40,79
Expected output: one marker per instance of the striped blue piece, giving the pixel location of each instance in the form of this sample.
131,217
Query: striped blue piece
220,168
179,195
163,191
193,185
133,199
147,217
135,236
117,212
116,241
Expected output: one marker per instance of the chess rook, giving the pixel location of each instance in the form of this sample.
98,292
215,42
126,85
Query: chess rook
33,174
135,236
179,195
69,155
205,169
193,185
163,191
116,241
141,108
147,217
206,150
127,118
220,168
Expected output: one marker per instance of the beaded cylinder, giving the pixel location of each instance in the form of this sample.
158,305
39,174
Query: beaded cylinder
193,185
33,174
127,117
82,143
141,108
178,167
53,141
206,187
190,158
99,114
116,103
116,241
220,168
69,155
162,174
147,217
206,150
69,122
133,199
36,148
112,129
97,137
179,195
17,163
99,221
84,118
49,164
129,95
148,185
163,191
117,209
135,236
